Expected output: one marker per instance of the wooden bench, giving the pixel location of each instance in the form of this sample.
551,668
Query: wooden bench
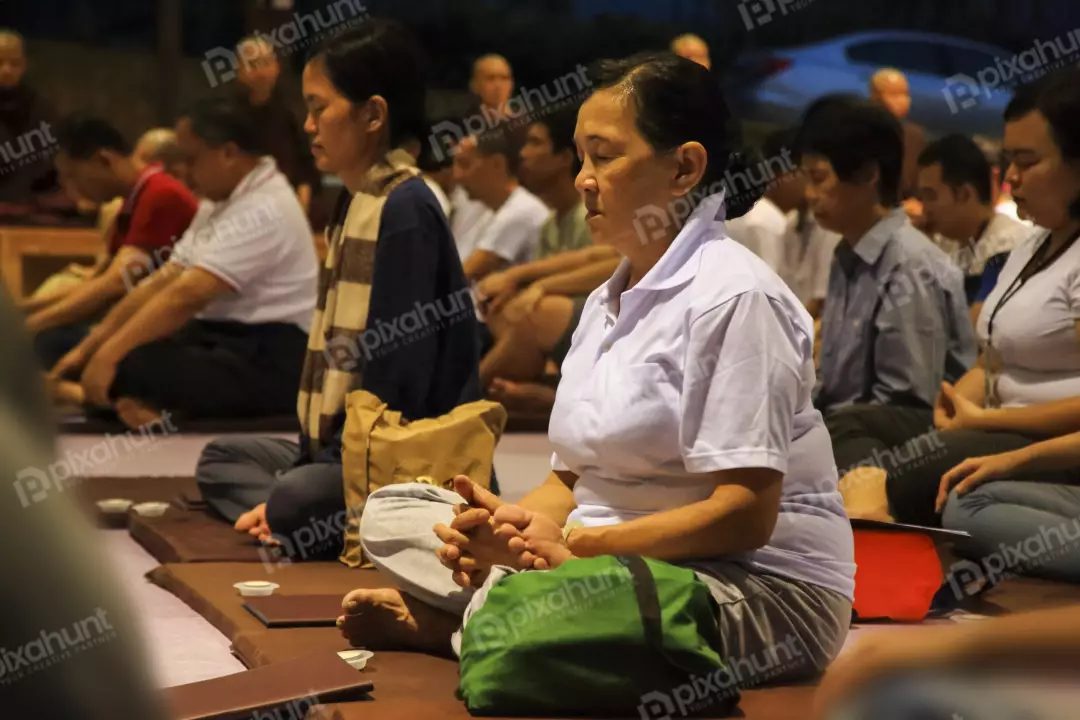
29,255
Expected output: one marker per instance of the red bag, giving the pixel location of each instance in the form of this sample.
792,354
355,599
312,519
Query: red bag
897,575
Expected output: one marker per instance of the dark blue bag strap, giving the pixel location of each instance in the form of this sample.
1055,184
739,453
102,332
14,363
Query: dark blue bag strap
648,600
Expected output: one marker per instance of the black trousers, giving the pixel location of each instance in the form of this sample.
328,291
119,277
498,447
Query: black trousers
52,345
217,370
903,442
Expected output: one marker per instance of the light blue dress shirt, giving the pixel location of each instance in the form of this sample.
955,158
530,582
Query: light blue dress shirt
705,365
896,322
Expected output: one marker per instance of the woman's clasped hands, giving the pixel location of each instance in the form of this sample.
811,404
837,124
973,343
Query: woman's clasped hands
486,532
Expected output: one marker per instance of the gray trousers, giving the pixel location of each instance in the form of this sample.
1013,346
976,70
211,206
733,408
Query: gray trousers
761,617
305,505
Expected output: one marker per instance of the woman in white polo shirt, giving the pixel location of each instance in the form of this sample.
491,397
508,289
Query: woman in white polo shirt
683,426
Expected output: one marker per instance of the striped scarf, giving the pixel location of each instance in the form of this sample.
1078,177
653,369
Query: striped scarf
333,365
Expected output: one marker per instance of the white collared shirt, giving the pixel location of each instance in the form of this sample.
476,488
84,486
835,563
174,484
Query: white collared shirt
260,243
705,365
1001,235
761,230
808,255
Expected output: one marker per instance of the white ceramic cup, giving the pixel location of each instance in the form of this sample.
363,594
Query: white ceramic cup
151,509
357,659
114,506
256,588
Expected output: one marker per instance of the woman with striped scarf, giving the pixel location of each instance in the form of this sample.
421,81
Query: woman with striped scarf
393,316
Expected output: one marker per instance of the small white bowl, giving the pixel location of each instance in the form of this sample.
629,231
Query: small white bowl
151,509
256,588
357,659
115,506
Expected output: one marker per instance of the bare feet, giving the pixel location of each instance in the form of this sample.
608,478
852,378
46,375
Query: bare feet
524,397
253,522
136,415
386,619
863,492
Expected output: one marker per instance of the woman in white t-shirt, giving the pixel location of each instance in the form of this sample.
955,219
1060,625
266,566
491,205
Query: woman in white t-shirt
1026,384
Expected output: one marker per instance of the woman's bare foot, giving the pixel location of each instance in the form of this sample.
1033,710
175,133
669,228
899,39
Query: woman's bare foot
524,397
387,619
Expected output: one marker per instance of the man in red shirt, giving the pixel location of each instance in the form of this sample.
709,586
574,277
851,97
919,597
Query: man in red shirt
97,163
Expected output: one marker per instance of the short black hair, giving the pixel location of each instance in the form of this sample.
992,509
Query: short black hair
820,109
1057,98
81,136
502,141
679,101
853,136
380,57
962,163
561,125
779,142
221,120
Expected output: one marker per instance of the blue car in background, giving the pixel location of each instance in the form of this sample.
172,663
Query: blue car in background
956,85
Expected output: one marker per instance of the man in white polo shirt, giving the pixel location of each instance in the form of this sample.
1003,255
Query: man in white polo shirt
221,330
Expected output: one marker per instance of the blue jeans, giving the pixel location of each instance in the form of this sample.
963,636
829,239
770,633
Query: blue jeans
1020,528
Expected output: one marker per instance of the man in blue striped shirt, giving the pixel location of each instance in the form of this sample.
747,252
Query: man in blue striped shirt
896,320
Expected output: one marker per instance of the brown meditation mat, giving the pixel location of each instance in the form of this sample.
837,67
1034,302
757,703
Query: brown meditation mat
283,690
208,589
87,492
195,536
290,611
256,648
419,686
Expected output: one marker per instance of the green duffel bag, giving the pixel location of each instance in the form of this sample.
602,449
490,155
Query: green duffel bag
597,637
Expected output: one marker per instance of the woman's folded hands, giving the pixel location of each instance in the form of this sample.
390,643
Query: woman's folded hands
486,532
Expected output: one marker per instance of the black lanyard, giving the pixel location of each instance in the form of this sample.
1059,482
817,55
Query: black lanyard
1039,264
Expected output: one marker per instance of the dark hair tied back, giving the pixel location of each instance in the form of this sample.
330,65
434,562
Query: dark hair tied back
380,57
679,101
